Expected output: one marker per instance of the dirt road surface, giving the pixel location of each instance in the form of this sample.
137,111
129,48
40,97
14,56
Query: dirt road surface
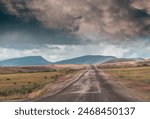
91,87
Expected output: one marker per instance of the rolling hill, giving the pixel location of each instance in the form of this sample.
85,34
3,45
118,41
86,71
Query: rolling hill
124,60
25,61
88,59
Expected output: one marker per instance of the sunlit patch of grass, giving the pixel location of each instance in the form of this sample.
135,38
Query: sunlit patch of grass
137,78
25,83
16,86
138,73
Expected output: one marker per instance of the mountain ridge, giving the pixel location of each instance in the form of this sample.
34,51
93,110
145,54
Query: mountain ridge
25,61
87,59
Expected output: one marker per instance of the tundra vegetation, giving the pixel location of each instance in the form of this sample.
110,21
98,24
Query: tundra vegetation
136,78
20,85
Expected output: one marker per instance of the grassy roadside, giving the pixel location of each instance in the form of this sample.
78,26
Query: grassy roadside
136,78
25,85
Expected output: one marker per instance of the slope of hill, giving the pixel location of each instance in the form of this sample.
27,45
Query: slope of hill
124,60
25,61
89,59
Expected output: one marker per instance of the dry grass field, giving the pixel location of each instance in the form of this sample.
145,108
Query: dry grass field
136,78
22,85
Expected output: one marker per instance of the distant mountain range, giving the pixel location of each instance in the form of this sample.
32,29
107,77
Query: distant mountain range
25,61
88,59
38,60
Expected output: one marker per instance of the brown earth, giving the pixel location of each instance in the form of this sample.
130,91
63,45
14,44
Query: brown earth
90,86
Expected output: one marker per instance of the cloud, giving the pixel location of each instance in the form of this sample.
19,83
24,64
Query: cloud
28,38
143,5
61,52
112,50
70,28
117,18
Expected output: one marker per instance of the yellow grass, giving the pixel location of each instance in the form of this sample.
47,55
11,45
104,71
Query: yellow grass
19,85
136,73
7,80
137,78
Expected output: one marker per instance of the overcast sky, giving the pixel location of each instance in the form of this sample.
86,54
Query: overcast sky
62,29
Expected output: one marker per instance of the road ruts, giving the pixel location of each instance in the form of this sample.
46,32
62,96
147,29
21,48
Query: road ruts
91,87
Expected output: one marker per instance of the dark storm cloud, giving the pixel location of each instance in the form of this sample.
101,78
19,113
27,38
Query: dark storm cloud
108,17
15,32
62,29
26,39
